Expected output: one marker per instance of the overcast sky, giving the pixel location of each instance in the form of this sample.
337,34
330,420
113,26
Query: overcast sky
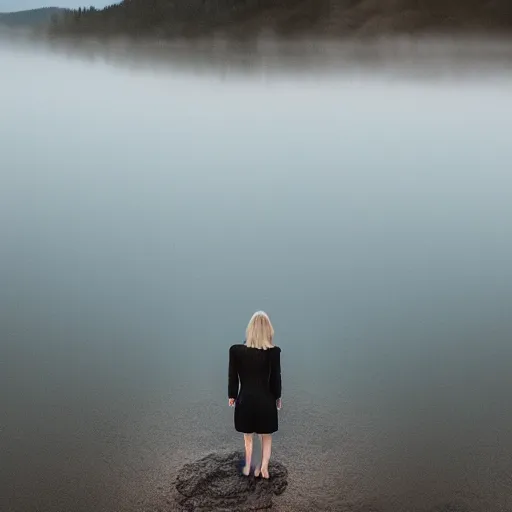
21,5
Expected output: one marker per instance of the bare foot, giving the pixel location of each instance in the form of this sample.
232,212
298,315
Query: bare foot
257,471
246,470
264,473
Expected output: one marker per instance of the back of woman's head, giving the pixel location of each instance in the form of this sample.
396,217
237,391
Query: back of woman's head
260,333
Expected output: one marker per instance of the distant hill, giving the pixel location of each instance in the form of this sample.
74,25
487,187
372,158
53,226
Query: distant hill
32,18
8,6
326,18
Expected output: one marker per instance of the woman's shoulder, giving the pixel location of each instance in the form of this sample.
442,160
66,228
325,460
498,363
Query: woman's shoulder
275,348
236,346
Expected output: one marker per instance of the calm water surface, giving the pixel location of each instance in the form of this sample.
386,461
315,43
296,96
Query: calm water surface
145,216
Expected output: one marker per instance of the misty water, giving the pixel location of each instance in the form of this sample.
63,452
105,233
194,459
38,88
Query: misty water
145,215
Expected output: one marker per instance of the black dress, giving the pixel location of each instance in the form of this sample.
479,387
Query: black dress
259,374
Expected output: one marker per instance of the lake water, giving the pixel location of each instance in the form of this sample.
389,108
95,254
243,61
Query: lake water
144,216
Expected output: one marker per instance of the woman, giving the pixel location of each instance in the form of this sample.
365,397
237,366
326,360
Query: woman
256,366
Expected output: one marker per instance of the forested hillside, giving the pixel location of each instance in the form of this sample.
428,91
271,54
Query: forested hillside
337,18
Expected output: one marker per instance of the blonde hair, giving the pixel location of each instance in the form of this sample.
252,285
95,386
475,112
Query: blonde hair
259,333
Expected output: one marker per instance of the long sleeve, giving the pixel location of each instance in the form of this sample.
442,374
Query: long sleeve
233,375
275,372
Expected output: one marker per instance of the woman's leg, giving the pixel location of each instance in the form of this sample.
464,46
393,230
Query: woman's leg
248,453
266,452
257,469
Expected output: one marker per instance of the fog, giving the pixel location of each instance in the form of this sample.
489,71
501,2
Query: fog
148,209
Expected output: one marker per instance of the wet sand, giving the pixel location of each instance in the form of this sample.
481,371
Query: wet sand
338,460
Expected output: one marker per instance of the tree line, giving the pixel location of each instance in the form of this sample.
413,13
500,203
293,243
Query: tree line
170,18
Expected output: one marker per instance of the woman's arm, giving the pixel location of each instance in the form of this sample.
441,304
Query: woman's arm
233,375
275,372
